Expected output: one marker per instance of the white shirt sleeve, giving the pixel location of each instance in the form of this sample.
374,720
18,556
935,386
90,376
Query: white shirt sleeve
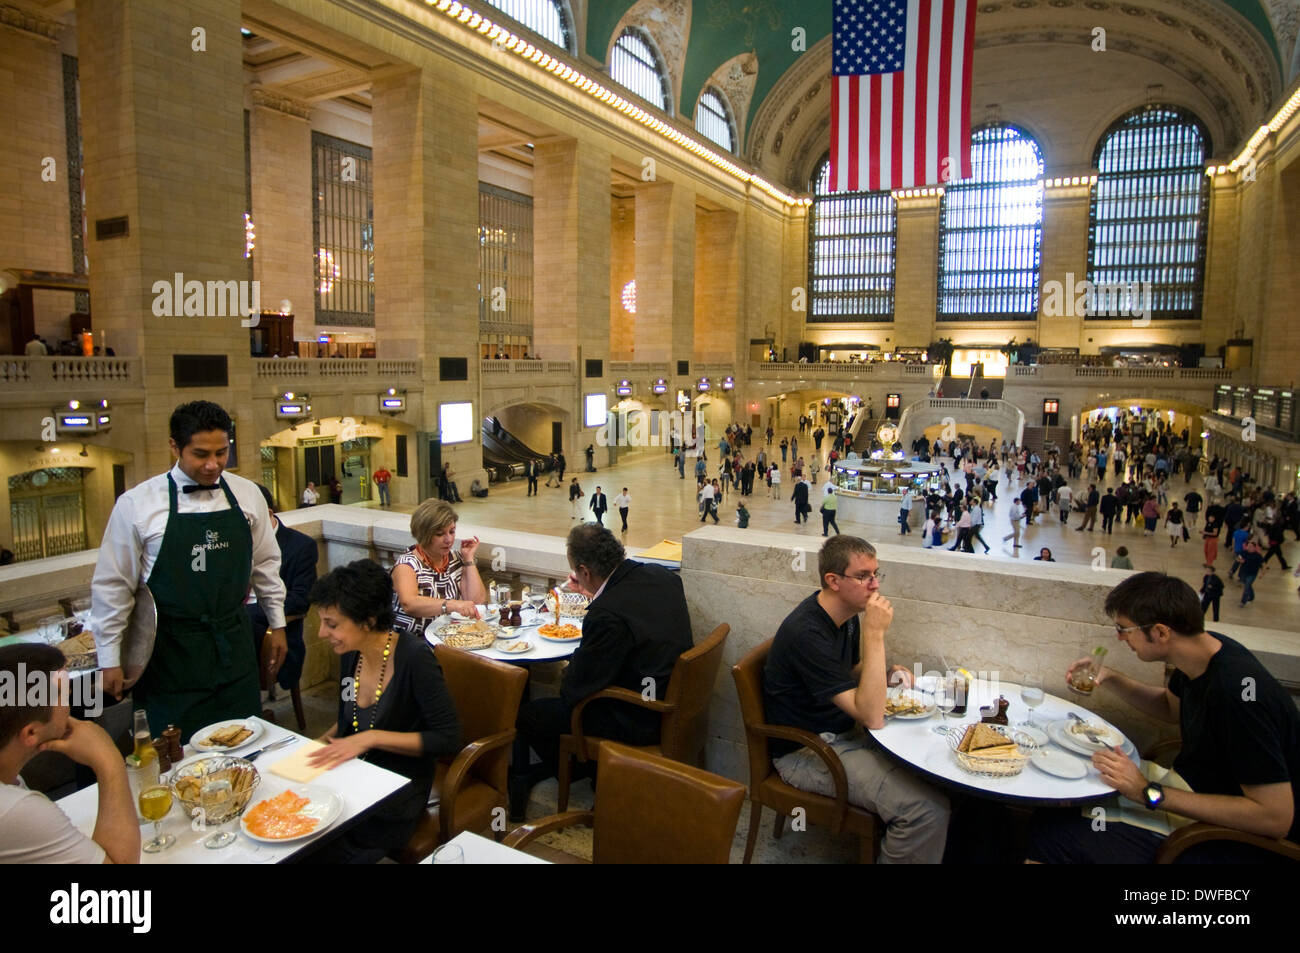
116,579
266,560
33,830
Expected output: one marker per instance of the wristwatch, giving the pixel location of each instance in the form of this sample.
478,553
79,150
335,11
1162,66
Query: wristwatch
1153,795
444,607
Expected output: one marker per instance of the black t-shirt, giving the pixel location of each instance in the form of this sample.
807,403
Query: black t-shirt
1239,726
810,663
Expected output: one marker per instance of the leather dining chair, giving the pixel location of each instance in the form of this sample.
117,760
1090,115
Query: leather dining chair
1193,835
651,810
471,785
684,708
766,787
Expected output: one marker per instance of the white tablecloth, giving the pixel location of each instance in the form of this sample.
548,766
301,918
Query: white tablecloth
916,742
360,784
543,650
484,850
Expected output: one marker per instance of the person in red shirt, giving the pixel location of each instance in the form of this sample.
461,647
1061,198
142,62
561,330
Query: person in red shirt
382,476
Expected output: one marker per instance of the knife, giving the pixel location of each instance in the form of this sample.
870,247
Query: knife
1091,735
271,747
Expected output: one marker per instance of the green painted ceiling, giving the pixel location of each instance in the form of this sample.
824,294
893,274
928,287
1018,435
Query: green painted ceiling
721,29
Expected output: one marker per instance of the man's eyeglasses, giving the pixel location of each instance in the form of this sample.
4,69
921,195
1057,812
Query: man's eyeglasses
1121,629
864,577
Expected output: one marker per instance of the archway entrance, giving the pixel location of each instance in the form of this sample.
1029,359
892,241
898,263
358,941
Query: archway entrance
47,512
350,448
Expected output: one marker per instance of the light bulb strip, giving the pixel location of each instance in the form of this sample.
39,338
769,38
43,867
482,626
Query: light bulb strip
1272,127
508,41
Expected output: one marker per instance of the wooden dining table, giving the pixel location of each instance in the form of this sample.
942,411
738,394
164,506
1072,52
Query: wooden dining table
362,787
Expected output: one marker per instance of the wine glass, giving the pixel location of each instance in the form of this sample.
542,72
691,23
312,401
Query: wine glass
945,699
449,854
537,599
1031,693
214,798
155,803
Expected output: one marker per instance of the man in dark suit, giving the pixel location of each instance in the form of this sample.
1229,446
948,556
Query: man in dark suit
298,555
600,506
532,469
635,628
801,505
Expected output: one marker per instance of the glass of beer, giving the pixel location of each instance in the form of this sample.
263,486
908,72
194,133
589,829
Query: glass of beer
155,803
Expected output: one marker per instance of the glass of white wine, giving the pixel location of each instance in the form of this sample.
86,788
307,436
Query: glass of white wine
1031,693
214,797
155,803
945,699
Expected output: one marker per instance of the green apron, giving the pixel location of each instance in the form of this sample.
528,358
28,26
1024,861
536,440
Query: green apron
203,668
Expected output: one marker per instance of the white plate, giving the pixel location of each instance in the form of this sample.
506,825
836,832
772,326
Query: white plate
1058,731
484,615
1034,734
197,739
514,646
1057,762
325,806
550,638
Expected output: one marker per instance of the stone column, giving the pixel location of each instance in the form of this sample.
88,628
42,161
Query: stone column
280,145
916,271
1279,331
426,247
717,286
163,133
665,272
622,269
1064,260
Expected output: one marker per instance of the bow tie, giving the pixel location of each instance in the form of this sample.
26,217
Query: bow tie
199,487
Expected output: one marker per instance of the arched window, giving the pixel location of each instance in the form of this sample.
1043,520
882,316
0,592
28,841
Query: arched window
990,230
634,64
851,244
549,19
1150,211
713,120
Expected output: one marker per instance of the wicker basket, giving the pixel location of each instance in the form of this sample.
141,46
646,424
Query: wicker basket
243,777
468,635
993,767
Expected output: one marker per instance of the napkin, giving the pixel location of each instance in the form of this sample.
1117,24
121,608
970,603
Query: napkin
1123,811
294,767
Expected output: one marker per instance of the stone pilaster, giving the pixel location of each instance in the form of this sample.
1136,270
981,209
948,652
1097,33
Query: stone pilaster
1064,254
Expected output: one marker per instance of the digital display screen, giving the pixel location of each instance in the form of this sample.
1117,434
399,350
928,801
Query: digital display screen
456,422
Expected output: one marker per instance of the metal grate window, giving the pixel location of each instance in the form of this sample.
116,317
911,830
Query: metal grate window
343,231
713,120
1150,210
852,238
547,18
634,64
990,231
505,256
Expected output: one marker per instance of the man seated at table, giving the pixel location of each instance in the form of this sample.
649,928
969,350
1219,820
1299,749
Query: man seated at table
1240,752
33,830
636,626
826,674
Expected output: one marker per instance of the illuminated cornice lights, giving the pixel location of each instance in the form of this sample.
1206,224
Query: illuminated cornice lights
1274,125
1070,181
502,37
931,192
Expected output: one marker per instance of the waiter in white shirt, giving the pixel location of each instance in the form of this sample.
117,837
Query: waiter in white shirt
195,539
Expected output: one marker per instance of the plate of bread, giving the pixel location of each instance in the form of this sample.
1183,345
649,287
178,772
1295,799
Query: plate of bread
227,735
991,751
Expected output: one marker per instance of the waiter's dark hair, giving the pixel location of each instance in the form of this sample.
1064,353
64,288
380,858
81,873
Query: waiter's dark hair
17,663
198,416
1151,598
361,590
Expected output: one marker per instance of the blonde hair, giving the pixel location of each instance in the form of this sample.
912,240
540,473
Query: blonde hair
431,518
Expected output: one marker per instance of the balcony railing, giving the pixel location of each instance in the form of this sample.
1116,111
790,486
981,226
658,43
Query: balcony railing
308,369
528,368
34,373
880,370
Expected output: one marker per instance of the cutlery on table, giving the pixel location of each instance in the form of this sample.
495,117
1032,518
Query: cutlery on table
271,747
1091,735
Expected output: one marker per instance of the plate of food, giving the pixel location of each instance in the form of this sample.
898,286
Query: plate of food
291,815
485,614
514,646
1077,736
227,735
563,632
467,634
908,705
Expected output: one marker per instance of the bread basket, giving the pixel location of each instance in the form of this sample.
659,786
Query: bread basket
993,766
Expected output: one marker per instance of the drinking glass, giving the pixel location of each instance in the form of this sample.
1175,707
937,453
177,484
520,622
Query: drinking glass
155,802
214,797
1031,693
945,699
53,629
449,854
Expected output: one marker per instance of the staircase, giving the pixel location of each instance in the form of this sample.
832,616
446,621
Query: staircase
957,386
1036,438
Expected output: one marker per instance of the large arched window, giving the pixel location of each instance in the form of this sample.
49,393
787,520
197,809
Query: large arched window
1150,210
713,120
851,244
634,64
549,19
990,230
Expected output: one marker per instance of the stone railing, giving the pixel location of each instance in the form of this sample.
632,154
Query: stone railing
307,369
34,373
527,368
883,370
1061,373
962,403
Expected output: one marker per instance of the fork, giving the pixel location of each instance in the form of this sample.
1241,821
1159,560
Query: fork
1091,735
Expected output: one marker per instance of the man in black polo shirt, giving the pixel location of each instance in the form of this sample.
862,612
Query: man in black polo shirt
826,674
1240,732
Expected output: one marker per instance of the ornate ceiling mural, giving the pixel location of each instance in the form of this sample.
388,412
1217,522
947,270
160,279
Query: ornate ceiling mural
669,24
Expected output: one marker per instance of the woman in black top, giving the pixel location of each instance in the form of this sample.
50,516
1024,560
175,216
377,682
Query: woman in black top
394,707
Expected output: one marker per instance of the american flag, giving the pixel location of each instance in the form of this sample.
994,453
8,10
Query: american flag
900,93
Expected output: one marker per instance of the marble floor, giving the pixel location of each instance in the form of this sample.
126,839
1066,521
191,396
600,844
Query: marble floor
664,507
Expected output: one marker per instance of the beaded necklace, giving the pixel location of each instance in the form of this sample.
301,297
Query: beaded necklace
379,689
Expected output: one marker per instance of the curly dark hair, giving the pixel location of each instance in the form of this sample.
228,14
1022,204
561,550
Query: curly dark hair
361,590
198,416
595,547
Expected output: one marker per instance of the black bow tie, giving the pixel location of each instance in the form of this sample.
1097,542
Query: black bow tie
199,487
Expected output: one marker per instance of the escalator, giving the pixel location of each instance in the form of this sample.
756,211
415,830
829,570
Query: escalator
504,456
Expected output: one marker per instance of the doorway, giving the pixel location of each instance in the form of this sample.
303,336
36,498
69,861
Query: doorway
47,512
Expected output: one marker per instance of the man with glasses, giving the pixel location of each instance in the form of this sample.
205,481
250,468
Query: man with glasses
1240,757
826,673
